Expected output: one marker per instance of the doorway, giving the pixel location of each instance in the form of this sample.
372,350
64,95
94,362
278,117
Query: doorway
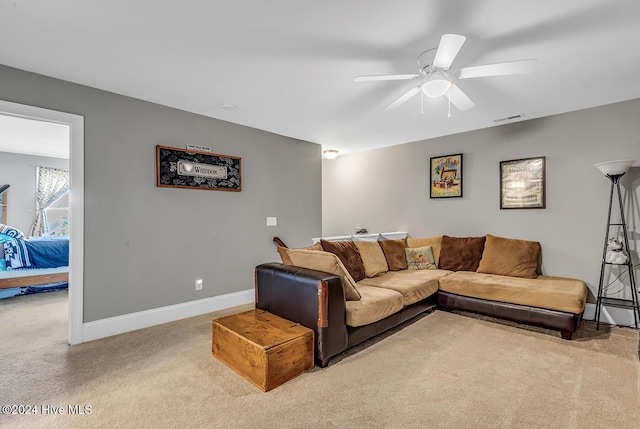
76,204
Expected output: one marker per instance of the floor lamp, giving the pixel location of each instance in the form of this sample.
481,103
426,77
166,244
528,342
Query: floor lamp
614,170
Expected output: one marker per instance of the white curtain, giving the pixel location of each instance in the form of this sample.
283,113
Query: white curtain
51,184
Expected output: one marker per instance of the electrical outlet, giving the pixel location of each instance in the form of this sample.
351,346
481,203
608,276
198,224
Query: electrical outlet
199,284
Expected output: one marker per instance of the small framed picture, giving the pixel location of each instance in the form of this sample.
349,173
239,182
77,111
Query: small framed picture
522,183
446,176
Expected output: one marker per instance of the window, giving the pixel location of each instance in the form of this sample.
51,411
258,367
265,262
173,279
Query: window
57,215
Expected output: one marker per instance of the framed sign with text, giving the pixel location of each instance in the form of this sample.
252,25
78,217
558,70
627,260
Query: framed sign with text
522,183
182,168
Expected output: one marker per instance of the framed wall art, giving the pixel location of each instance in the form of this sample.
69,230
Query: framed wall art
180,168
446,176
522,183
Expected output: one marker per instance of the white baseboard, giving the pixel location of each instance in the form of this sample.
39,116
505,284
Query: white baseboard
144,319
610,315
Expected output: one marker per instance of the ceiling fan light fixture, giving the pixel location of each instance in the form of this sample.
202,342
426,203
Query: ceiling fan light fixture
436,88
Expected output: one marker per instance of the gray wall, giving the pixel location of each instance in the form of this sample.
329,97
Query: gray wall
387,189
145,246
19,171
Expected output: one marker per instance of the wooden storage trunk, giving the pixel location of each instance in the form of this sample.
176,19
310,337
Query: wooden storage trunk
265,349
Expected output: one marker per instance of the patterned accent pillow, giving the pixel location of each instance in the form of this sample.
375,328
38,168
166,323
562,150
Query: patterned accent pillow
11,232
420,258
16,254
434,242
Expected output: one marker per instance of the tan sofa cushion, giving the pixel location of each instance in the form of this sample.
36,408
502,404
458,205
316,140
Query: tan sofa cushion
372,257
461,253
413,285
553,293
434,242
510,257
327,262
348,254
394,254
375,304
285,257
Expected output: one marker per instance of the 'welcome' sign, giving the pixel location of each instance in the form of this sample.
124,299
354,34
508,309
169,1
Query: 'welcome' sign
180,168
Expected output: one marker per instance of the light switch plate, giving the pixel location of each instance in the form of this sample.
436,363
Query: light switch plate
272,221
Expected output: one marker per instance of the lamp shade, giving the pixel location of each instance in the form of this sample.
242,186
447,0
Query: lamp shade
613,168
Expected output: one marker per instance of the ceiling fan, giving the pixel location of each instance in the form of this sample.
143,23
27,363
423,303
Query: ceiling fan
436,80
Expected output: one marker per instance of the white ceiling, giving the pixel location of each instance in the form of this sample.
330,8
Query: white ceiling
288,65
31,137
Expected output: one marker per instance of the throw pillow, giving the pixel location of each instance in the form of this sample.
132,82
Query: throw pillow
4,238
11,232
461,253
420,258
329,263
394,254
348,254
285,256
510,257
434,242
373,259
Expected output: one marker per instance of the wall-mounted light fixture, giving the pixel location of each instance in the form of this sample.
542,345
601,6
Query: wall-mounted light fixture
330,154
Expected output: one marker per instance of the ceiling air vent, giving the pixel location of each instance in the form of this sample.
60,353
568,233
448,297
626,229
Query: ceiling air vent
509,118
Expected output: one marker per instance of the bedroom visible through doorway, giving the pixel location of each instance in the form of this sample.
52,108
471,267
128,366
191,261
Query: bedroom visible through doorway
56,202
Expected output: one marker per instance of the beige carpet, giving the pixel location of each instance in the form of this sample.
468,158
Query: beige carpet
444,370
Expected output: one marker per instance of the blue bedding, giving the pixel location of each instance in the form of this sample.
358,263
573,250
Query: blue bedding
39,252
48,252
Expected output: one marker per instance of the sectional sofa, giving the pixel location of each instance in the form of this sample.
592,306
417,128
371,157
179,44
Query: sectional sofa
348,291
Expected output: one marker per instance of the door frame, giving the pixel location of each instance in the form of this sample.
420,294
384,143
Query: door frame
76,203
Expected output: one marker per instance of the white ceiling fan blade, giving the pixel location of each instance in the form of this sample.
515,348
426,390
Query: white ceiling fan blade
403,98
498,69
449,46
459,98
385,77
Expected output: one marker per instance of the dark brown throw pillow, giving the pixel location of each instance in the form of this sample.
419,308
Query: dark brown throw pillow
394,254
348,254
461,253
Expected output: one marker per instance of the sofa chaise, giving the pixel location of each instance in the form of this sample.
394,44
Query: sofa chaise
348,291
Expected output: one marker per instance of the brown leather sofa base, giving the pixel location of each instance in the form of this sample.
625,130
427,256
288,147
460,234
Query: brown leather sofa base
566,323
316,300
311,298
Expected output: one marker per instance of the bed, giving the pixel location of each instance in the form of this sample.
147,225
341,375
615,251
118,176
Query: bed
32,265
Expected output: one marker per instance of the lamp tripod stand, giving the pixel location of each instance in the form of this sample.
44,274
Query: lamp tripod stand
617,302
